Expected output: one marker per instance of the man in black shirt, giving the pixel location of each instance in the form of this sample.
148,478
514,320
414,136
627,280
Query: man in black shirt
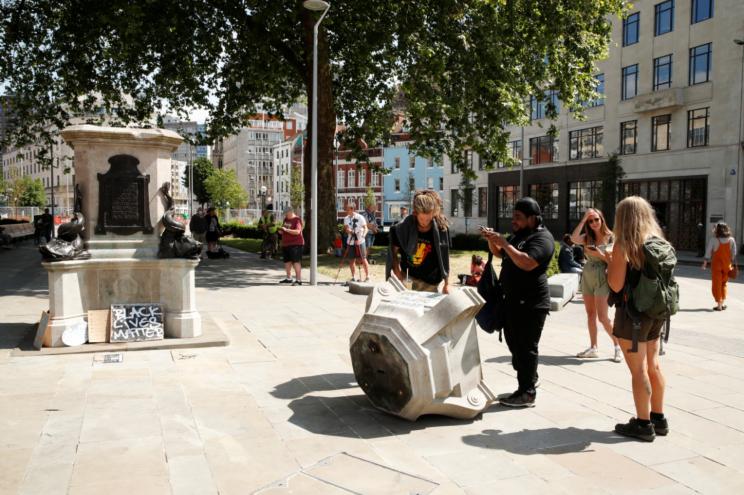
525,259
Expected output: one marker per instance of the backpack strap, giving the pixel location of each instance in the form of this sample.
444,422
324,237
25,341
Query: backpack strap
631,312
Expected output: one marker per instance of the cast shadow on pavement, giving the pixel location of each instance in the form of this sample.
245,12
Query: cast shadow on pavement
550,360
543,441
695,310
17,335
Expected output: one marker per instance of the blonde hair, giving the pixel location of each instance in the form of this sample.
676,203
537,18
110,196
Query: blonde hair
635,222
604,229
430,202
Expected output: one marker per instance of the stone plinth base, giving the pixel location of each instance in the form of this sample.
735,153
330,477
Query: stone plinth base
78,286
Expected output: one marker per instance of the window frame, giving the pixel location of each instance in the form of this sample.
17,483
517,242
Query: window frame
508,192
623,127
454,202
553,143
658,65
623,86
661,8
655,125
596,134
627,22
690,129
694,9
483,202
693,63
550,209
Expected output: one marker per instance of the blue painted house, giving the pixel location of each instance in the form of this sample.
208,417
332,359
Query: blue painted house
408,173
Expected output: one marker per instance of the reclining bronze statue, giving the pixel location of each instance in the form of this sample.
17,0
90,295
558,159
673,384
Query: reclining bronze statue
174,243
68,245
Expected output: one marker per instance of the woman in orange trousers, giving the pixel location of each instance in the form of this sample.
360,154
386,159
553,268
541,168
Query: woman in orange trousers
721,252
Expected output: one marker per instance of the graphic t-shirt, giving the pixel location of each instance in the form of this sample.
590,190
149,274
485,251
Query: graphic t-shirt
292,239
356,223
423,263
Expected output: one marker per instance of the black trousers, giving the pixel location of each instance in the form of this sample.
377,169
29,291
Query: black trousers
522,329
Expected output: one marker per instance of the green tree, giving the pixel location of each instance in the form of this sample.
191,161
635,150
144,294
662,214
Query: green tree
369,197
297,189
223,187
30,192
462,70
203,169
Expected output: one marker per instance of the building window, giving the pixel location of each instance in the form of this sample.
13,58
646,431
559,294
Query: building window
375,179
411,184
600,89
543,149
697,127
362,178
340,176
441,183
660,132
467,202
508,196
352,178
397,162
628,137
514,151
586,143
454,202
429,162
469,160
539,108
412,162
662,72
663,17
546,196
582,196
700,62
630,29
701,10
630,81
397,185
482,202
430,182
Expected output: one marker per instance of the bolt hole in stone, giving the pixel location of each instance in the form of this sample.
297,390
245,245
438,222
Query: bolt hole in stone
373,347
382,372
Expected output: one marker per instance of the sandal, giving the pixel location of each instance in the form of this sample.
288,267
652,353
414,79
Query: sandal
717,309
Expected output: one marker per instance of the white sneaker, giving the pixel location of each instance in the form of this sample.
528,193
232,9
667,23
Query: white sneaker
618,358
590,353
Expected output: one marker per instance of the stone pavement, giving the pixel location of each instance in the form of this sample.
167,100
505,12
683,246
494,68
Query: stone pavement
278,411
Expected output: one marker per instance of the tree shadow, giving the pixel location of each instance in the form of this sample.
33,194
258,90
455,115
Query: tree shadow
543,441
297,387
695,310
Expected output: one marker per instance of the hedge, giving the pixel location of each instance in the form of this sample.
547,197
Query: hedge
242,231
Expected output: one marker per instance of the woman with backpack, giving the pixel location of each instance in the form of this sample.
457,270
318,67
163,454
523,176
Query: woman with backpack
593,234
637,237
721,253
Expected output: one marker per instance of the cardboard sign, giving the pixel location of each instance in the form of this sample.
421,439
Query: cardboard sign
136,322
98,323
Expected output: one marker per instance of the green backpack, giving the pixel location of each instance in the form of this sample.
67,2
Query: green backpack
656,295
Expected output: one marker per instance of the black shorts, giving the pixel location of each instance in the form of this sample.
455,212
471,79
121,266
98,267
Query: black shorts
292,254
213,237
622,327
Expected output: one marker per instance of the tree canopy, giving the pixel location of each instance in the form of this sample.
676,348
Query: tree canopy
462,70
224,190
30,192
203,169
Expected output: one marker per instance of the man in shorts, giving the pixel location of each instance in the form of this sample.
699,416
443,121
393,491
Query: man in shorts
292,245
355,227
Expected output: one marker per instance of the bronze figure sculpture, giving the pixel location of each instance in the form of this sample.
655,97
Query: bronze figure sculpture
68,245
174,243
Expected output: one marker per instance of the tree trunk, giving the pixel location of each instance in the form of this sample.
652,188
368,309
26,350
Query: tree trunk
326,134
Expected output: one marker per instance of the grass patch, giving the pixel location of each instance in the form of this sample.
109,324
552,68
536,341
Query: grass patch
249,245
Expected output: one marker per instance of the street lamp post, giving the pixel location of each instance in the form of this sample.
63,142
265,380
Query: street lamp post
317,6
262,193
739,145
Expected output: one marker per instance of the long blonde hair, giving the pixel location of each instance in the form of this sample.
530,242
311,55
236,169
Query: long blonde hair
635,222
604,229
428,201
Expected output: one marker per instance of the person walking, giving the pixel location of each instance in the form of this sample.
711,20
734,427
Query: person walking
636,225
419,246
355,227
198,227
213,230
721,253
595,236
292,246
525,256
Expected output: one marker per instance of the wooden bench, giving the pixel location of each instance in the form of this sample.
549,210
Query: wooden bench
17,231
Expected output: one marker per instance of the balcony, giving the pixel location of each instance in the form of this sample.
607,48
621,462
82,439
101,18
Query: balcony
659,100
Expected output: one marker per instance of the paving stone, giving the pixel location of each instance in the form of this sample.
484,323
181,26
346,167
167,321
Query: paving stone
703,475
118,462
301,483
190,475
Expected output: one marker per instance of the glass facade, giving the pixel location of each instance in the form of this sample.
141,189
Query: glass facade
662,72
661,132
663,17
586,143
546,196
631,29
582,196
698,125
701,10
630,81
482,201
508,197
628,137
700,63
543,149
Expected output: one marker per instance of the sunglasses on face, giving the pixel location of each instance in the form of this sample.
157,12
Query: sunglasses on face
592,220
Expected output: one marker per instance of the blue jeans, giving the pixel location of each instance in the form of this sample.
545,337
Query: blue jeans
369,241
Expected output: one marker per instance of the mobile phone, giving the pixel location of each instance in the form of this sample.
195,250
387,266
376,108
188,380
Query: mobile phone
592,247
483,227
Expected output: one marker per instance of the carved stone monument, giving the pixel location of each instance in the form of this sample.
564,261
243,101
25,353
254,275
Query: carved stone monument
118,171
417,353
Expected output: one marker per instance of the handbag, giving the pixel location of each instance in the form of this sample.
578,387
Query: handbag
492,315
733,272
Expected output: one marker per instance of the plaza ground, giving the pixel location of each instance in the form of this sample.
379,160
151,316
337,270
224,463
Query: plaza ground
278,411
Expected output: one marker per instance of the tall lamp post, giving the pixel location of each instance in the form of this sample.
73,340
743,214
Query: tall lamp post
739,145
316,6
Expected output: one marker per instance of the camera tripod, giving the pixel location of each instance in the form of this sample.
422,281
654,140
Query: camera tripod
357,253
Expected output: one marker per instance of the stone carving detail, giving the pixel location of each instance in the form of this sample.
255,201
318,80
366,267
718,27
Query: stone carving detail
174,243
68,245
122,198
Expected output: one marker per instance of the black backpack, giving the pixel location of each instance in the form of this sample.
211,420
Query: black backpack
491,316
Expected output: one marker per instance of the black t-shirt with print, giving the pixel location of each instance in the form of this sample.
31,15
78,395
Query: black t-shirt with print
529,289
423,264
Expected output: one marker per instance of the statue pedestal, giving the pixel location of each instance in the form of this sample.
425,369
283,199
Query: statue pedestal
417,353
120,171
78,286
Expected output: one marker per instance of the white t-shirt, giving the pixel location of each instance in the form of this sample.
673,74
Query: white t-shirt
358,225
